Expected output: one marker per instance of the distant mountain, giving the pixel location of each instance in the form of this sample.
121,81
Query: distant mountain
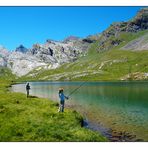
49,55
22,49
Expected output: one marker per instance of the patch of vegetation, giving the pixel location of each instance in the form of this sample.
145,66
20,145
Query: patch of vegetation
6,74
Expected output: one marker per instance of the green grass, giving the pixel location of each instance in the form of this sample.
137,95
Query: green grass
36,119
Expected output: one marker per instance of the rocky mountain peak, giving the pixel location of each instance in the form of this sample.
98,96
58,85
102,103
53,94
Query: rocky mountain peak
71,39
50,41
139,22
21,48
141,16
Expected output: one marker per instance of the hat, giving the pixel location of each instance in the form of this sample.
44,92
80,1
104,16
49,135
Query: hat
61,89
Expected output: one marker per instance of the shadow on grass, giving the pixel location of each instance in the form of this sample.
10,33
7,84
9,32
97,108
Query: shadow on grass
32,97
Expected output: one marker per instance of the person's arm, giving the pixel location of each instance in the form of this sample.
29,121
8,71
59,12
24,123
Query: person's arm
66,97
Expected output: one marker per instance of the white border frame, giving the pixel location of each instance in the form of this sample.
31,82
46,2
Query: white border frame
73,2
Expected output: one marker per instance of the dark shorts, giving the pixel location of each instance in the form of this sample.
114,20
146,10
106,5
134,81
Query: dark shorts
62,102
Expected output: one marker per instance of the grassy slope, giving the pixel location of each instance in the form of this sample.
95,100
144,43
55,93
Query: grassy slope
36,119
116,64
6,74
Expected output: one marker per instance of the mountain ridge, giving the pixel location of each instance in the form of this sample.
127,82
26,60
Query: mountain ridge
49,55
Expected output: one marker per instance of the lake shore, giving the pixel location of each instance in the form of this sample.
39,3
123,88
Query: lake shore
36,119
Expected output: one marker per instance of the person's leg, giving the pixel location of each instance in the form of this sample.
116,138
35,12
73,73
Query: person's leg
27,93
62,106
59,110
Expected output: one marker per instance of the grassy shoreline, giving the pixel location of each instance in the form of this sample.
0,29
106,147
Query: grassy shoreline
37,119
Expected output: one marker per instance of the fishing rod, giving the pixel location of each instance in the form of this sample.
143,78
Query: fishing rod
76,89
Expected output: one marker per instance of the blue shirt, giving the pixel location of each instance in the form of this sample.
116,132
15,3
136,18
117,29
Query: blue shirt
62,96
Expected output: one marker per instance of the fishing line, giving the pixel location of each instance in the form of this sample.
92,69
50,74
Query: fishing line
76,89
79,85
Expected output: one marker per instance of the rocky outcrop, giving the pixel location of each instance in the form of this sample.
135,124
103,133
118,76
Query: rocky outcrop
136,76
110,37
54,52
71,39
140,22
3,51
21,63
3,56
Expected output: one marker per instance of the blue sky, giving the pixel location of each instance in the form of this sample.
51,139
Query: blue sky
29,25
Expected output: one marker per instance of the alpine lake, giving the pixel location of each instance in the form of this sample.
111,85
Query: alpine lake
119,110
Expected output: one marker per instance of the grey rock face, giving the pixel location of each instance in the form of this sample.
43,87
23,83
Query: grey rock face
50,55
71,39
139,22
21,63
3,62
3,56
59,52
3,51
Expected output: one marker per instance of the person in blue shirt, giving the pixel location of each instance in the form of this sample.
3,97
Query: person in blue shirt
62,100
